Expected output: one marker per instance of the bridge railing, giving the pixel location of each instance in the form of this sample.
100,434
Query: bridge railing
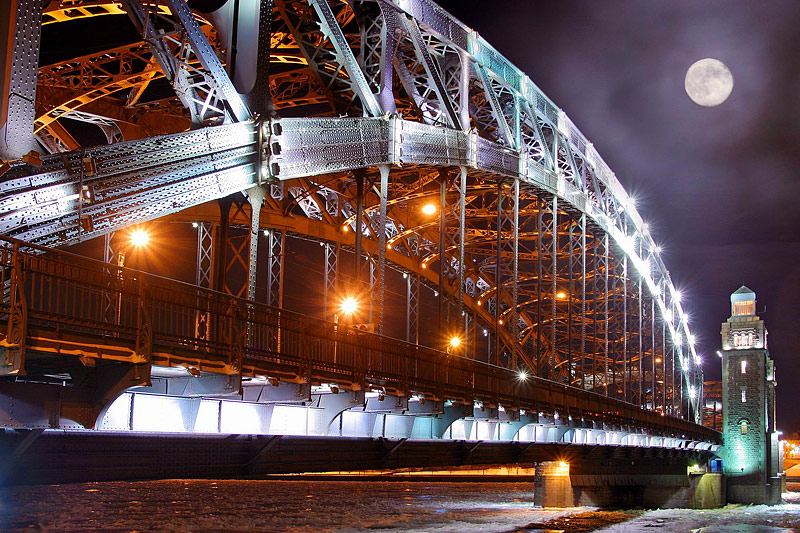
77,306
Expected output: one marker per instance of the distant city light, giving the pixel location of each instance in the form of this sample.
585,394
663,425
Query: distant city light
429,209
139,237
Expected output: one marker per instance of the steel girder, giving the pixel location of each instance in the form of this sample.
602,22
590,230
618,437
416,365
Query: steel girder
362,57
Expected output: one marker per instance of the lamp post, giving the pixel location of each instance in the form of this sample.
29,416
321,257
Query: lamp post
138,239
348,308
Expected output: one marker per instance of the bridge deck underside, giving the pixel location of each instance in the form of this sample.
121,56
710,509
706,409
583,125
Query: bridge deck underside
76,456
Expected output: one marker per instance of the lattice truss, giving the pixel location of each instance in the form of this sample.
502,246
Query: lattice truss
539,246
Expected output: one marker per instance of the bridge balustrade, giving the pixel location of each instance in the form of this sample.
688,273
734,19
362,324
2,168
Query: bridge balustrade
74,306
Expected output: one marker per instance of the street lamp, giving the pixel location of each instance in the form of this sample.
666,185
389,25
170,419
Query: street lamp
139,238
349,306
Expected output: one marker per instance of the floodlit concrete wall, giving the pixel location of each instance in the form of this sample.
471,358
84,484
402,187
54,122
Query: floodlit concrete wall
556,486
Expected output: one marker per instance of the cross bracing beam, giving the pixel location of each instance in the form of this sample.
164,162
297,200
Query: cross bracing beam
339,57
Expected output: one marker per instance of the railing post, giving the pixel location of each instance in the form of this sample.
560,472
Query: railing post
235,340
12,360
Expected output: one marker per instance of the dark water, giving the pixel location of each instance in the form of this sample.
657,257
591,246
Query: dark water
320,506
291,506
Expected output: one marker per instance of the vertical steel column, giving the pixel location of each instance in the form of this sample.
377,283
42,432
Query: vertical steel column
372,293
256,196
205,269
221,247
554,289
331,278
275,259
205,257
583,301
20,34
108,251
653,379
640,366
506,268
626,366
443,266
515,278
384,172
539,275
358,264
412,308
570,299
461,208
109,256
619,321
605,312
663,365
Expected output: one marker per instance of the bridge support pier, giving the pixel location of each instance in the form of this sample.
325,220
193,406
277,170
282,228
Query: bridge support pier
661,482
80,405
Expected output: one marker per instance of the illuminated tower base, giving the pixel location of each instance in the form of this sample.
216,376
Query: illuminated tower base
751,460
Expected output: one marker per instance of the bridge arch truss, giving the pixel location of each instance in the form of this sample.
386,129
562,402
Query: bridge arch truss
349,119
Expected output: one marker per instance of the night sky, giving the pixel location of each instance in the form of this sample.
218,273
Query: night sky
719,186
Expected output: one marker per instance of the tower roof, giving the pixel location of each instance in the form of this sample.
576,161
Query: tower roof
744,289
743,294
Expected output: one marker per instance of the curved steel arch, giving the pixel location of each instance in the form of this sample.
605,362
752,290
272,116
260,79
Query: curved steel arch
434,95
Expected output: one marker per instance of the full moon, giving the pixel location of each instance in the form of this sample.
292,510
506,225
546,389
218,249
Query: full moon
708,82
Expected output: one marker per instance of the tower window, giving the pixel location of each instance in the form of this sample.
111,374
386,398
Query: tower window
744,395
744,366
746,308
744,427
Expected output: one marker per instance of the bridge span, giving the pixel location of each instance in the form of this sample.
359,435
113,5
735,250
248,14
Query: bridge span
455,208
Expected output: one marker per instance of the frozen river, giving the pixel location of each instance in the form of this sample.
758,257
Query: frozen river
295,506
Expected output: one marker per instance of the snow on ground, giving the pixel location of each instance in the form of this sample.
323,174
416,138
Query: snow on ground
731,518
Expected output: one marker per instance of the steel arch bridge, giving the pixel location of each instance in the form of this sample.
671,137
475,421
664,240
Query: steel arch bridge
267,123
